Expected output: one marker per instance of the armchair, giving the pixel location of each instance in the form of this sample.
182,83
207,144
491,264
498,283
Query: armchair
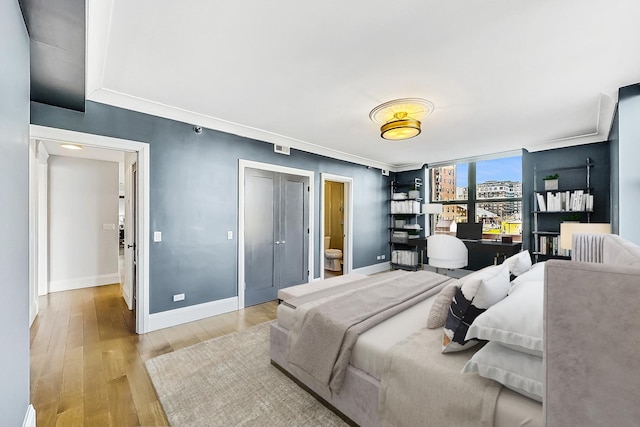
446,251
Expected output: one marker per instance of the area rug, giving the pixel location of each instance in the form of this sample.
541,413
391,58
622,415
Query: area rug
229,381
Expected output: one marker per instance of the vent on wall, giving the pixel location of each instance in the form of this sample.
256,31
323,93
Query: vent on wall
281,149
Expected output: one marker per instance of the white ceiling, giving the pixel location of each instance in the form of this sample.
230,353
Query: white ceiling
502,74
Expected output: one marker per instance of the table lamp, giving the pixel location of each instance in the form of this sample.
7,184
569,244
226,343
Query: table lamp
432,209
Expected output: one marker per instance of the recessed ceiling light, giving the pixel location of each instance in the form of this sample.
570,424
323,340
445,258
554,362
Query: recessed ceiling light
69,146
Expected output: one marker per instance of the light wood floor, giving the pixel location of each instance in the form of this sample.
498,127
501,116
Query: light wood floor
87,363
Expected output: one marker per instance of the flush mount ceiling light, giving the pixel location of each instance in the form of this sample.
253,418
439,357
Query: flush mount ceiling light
400,118
69,146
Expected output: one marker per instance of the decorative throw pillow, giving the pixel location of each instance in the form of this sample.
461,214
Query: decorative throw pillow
440,307
518,371
519,263
478,292
516,321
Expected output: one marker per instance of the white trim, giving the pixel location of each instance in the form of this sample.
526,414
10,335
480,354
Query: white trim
126,294
33,230
169,318
83,282
30,417
42,241
129,102
143,149
347,250
373,268
242,165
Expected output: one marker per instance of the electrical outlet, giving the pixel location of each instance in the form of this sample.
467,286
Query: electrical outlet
383,256
378,257
229,235
178,297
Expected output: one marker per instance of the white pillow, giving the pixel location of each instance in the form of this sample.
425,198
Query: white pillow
535,274
520,372
519,263
478,292
516,321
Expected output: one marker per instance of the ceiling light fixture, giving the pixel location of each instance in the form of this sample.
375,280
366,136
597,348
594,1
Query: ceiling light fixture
69,146
400,118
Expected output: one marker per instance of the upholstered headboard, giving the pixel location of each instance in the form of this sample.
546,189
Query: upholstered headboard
592,339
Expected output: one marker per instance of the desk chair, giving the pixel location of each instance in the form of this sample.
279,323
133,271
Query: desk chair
446,251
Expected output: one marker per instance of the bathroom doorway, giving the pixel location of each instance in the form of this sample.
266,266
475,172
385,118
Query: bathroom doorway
336,226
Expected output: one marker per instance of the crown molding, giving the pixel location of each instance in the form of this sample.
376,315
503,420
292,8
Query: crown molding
122,100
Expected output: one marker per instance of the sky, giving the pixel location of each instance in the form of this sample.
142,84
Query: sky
504,169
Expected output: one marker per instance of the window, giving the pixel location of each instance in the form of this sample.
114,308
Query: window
489,191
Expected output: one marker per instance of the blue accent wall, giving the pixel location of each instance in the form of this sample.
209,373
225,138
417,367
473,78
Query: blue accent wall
194,198
14,214
567,157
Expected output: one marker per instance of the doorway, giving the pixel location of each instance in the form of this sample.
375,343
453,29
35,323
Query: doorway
336,225
140,151
333,228
275,233
275,230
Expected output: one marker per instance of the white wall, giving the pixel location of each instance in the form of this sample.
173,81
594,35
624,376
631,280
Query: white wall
14,215
83,199
629,153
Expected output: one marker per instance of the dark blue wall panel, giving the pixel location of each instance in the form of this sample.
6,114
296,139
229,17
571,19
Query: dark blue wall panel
561,158
194,198
614,160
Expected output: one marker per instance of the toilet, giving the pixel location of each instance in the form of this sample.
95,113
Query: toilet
332,257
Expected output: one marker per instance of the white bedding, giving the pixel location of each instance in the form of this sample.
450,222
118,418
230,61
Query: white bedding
371,347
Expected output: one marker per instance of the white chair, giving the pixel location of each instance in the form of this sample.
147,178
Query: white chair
446,251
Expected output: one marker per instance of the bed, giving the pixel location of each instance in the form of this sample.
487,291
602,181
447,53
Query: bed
397,373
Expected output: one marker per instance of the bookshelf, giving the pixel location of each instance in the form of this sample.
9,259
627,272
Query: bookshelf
406,233
552,207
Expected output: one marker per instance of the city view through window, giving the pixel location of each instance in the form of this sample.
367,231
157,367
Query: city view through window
488,191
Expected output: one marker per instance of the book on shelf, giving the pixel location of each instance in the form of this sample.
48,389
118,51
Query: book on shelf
550,245
565,201
409,258
541,204
405,207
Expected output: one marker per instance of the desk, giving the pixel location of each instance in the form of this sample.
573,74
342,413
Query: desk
499,249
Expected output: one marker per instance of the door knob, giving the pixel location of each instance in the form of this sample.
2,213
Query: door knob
283,242
129,246
277,242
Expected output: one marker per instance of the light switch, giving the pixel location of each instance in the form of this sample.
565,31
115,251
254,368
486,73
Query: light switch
157,236
229,235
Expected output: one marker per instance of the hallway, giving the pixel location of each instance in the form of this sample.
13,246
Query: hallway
87,362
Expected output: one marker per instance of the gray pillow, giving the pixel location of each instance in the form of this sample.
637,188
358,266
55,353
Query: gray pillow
440,308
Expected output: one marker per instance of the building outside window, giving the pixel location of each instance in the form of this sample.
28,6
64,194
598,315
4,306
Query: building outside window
489,191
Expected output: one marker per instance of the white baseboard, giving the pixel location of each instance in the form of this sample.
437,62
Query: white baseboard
33,311
182,315
372,269
30,417
126,296
83,282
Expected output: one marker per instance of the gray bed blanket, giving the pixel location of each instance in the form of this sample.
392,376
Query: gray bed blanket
421,386
326,334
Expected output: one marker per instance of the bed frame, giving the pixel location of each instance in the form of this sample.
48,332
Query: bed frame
608,395
358,399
